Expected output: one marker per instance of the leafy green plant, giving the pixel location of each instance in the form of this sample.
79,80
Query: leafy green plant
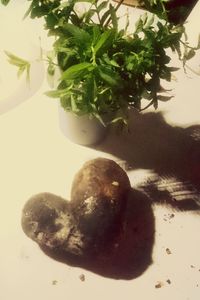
105,68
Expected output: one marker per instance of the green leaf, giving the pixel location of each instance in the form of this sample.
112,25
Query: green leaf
29,10
138,26
108,76
74,106
38,11
102,6
90,89
96,34
98,117
144,18
113,17
105,17
105,41
58,93
88,15
76,20
76,71
150,22
80,35
110,62
66,103
51,20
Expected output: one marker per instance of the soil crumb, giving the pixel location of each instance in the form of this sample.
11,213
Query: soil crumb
82,277
168,251
159,284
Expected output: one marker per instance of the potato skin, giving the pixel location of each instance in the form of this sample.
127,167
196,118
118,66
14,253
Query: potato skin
47,219
98,197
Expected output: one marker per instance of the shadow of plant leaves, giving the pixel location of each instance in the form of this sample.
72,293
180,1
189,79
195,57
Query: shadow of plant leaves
171,153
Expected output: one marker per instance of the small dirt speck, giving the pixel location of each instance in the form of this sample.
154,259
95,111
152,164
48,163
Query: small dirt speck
82,277
168,217
168,281
168,251
192,266
54,282
159,284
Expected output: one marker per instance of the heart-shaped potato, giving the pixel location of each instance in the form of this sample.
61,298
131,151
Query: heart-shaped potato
84,224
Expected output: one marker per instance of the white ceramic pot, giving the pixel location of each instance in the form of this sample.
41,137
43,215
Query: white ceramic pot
81,129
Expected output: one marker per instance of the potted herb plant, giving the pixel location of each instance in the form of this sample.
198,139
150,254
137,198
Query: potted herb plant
107,69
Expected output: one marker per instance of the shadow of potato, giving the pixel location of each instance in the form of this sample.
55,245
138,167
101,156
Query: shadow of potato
129,254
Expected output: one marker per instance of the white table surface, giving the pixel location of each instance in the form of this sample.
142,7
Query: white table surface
35,157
